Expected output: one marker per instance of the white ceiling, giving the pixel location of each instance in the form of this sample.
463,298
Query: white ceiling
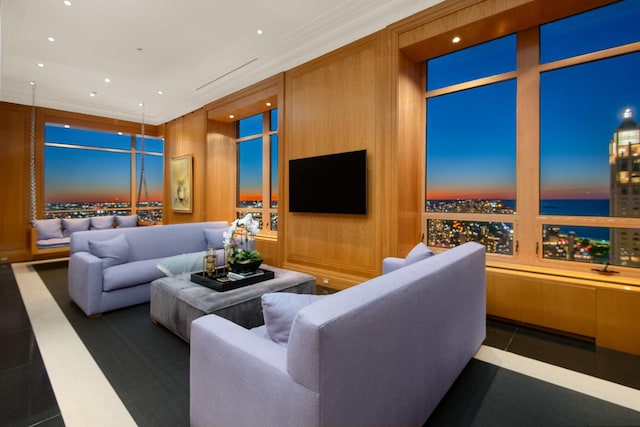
194,51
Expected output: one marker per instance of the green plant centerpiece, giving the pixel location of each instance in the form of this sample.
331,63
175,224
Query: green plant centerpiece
240,245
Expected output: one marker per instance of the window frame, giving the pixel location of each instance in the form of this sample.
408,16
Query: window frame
527,222
132,151
266,210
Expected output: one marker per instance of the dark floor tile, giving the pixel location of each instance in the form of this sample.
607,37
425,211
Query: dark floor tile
55,421
26,396
13,318
20,348
618,367
555,349
499,334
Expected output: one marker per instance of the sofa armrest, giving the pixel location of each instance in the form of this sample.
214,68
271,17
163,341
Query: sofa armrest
390,264
85,282
240,378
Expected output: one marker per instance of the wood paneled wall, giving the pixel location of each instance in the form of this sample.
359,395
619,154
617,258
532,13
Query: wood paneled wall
15,139
186,135
334,104
15,125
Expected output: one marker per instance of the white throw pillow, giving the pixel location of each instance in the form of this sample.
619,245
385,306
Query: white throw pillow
180,264
279,309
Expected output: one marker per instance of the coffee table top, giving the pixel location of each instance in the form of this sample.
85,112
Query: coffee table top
227,283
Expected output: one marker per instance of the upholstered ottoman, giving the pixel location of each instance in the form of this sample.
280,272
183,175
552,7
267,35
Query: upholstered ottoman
176,302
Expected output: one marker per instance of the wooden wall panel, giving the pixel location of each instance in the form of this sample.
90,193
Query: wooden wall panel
516,298
15,125
220,178
332,105
186,135
617,319
411,152
553,304
569,308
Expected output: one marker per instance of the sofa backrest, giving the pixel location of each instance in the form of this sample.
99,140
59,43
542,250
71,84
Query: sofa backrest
372,351
155,241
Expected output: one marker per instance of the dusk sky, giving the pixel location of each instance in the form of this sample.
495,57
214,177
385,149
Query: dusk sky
472,154
73,175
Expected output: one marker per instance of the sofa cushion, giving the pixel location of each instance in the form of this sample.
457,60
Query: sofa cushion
214,237
113,251
180,264
71,225
125,221
54,243
49,228
279,309
130,274
418,253
101,222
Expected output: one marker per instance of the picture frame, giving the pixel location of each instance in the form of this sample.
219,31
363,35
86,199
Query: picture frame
181,178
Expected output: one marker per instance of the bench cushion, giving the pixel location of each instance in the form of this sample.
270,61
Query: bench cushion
101,222
71,225
54,243
49,228
125,221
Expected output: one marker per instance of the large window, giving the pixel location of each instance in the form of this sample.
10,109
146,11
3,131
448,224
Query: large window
471,147
93,173
257,192
551,180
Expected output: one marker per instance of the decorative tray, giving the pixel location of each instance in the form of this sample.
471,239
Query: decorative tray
231,280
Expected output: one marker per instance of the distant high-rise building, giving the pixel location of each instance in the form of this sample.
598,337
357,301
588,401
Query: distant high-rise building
624,164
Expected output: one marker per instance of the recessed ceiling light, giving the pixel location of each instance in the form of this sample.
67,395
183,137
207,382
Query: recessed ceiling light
32,83
231,116
67,3
456,39
107,80
259,32
40,64
93,93
51,39
159,92
268,104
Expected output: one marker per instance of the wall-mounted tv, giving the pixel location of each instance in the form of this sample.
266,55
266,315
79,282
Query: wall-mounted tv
334,183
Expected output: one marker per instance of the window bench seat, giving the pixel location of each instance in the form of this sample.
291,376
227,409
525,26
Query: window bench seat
595,306
52,237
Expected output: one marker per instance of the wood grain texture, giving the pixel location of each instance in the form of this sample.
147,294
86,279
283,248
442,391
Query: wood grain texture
331,107
617,319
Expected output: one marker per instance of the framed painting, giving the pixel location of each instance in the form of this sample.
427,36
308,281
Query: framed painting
181,176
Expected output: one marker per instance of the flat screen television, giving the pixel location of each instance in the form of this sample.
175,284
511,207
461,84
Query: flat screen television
333,183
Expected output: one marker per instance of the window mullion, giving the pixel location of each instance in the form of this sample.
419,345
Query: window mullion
527,143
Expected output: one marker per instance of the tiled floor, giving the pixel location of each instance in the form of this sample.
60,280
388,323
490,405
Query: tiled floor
27,399
26,396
